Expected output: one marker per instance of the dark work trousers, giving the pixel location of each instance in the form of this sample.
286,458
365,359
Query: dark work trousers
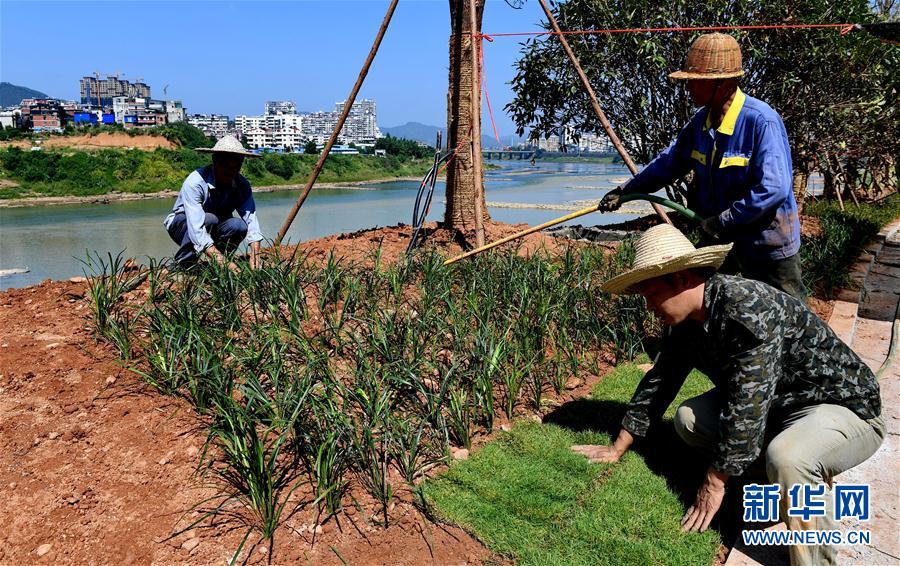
783,274
226,235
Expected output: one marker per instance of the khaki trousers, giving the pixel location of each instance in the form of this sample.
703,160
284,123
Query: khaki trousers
808,446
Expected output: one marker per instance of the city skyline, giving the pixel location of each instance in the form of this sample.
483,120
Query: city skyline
269,57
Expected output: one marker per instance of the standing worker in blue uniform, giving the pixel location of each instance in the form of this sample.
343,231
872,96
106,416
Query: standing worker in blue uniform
738,149
202,222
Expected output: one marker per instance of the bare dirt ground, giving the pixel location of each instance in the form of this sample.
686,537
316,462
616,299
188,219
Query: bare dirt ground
99,141
98,469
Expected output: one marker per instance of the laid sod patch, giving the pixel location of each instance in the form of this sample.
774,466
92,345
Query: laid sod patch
527,496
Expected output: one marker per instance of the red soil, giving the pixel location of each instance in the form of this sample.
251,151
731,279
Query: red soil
98,141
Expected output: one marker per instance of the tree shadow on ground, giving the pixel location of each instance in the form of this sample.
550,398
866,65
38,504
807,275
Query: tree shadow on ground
664,453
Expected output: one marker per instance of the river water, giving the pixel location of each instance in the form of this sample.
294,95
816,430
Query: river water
51,240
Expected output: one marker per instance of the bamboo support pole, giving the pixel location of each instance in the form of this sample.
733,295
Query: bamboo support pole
348,104
607,127
475,118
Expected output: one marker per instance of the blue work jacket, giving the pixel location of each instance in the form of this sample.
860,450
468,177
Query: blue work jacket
743,174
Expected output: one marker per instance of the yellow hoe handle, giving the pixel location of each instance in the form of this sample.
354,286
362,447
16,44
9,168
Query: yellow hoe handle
531,230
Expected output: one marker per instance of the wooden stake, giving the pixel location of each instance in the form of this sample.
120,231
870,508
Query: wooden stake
340,124
475,121
607,127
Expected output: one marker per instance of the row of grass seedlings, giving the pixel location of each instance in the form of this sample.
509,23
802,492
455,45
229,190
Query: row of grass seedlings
320,434
630,322
223,293
329,450
434,286
106,281
369,403
122,322
210,369
345,311
544,305
417,445
471,310
595,327
171,325
255,474
487,353
576,325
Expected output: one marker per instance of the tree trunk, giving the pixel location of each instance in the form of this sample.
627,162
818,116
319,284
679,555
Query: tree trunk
801,182
460,212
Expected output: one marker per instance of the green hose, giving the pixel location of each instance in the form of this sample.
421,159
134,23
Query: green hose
687,212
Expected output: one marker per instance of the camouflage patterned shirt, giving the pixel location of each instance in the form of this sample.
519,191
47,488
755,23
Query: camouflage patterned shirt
768,355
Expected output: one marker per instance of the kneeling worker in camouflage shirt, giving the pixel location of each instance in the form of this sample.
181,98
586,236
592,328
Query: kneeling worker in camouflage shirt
785,385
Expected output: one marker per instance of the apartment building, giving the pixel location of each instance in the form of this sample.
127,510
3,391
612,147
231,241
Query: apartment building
101,92
215,125
361,125
275,107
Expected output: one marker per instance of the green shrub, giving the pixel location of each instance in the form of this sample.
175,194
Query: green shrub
826,257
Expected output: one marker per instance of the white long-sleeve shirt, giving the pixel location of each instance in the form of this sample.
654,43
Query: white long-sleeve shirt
199,195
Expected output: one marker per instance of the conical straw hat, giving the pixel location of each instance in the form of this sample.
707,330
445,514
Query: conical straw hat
661,250
712,56
228,144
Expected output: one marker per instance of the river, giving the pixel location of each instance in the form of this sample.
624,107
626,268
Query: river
52,240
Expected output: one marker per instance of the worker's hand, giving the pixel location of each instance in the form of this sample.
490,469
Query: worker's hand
712,226
596,453
610,200
709,499
255,260
221,259
601,453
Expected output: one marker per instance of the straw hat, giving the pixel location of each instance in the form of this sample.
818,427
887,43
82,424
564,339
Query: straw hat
712,56
661,250
228,144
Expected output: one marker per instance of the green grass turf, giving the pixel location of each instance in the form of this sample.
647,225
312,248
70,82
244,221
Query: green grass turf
528,497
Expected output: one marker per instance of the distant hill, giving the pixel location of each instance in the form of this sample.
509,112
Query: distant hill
427,134
12,95
414,131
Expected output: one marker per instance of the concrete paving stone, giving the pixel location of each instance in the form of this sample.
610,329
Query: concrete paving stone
861,267
878,305
885,275
872,339
848,295
889,255
843,320
879,472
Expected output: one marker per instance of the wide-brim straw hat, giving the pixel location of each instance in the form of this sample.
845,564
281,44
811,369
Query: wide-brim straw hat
661,250
228,144
712,56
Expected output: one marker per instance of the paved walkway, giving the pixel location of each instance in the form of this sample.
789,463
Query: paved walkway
865,320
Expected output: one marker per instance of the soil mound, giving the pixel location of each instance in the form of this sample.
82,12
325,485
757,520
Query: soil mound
100,141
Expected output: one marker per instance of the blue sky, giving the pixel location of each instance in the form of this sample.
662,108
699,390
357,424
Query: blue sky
230,57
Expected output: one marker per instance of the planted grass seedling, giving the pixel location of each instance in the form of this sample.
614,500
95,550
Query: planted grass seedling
251,465
106,284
